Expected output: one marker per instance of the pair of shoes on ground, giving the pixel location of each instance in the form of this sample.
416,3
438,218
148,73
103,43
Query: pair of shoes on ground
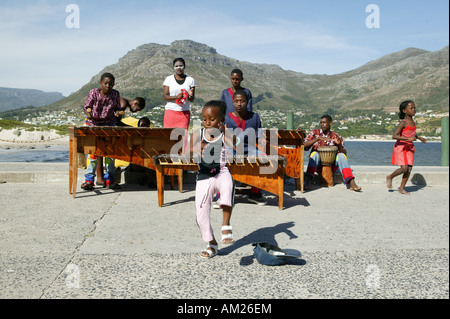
257,199
212,250
88,186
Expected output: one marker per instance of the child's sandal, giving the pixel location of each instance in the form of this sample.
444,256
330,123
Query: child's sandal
227,236
211,252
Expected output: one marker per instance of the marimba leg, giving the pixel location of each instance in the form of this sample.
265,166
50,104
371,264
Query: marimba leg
172,181
74,173
180,180
70,165
160,184
280,191
302,168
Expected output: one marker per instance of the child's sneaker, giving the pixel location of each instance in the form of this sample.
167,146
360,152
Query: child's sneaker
88,185
111,185
216,204
257,199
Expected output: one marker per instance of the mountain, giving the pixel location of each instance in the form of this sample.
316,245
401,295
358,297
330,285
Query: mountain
380,84
11,98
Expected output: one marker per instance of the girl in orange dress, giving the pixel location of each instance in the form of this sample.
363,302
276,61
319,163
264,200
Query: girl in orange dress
403,153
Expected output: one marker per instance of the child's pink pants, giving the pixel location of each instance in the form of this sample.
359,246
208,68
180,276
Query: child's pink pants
204,194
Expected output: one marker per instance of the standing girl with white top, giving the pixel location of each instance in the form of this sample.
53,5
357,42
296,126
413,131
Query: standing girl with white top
179,91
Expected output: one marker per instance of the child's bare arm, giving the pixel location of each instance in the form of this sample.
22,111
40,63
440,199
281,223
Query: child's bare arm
398,131
229,138
422,139
195,147
124,103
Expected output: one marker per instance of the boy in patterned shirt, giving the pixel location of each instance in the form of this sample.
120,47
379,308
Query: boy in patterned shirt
102,108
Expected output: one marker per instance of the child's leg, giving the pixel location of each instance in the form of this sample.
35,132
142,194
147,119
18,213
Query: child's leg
313,163
346,171
91,170
401,170
227,230
227,210
225,185
344,167
110,168
203,199
99,172
204,193
404,180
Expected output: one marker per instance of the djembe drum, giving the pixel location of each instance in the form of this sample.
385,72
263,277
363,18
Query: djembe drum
327,156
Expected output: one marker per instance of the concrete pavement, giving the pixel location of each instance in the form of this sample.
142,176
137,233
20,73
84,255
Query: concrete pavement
120,244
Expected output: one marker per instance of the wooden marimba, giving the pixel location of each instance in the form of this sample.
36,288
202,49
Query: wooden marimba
139,145
290,143
265,172
130,144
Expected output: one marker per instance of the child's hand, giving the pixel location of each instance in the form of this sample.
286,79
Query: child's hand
88,113
119,114
336,141
262,143
222,127
191,93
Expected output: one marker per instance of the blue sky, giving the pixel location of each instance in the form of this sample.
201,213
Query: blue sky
39,51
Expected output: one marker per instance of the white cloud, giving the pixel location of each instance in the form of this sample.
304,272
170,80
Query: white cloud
38,51
40,45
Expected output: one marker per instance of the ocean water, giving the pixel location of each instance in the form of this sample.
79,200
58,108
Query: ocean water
359,153
51,154
380,153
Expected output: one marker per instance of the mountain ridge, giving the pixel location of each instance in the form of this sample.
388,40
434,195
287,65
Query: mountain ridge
13,98
379,84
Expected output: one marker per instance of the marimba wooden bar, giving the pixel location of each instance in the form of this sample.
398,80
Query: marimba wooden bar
265,172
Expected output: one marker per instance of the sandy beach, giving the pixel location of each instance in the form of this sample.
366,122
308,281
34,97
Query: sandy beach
31,139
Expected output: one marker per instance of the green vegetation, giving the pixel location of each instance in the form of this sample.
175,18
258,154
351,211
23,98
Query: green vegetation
348,123
353,123
12,124
18,113
60,129
359,123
